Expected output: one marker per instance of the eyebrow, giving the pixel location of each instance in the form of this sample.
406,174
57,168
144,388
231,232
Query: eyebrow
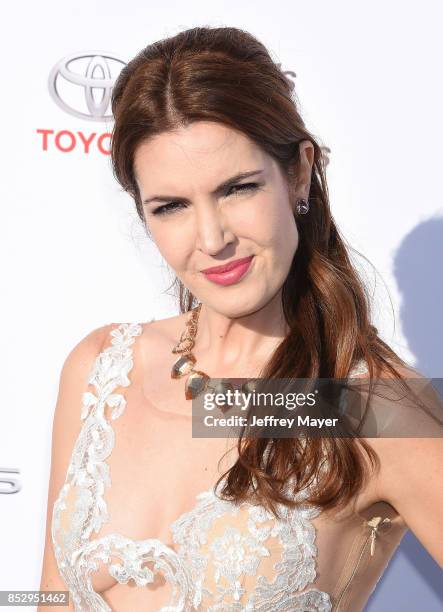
217,191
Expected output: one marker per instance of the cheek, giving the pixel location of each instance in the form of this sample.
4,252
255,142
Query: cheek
273,225
171,242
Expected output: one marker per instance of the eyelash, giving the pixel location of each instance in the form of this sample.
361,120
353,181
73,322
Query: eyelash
170,208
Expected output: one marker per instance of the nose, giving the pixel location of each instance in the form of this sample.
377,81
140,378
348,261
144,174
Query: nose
213,231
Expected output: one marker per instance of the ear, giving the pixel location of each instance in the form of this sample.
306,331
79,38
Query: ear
306,161
300,181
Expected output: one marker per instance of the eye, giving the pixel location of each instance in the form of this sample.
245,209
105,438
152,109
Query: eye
244,187
171,207
167,208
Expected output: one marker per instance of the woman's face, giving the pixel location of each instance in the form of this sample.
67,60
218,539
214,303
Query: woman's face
199,216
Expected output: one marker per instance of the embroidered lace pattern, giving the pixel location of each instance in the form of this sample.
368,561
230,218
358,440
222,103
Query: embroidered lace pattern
229,556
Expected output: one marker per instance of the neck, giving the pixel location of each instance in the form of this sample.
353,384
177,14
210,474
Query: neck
225,343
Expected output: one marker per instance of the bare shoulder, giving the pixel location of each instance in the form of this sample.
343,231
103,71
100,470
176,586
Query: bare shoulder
89,345
73,380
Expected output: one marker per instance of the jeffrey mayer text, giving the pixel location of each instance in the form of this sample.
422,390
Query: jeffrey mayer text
241,421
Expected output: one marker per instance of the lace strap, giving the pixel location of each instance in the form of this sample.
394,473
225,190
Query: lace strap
110,370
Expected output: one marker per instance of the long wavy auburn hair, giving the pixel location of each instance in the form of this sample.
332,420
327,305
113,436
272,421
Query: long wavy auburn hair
224,74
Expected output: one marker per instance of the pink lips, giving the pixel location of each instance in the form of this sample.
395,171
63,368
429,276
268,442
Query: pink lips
230,273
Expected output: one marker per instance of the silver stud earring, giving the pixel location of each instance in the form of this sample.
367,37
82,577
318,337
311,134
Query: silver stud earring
302,206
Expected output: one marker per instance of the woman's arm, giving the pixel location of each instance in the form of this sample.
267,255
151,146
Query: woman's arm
66,427
411,480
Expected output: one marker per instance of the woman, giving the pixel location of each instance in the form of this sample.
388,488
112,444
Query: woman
209,143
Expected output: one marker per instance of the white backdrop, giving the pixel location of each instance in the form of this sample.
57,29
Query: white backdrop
368,77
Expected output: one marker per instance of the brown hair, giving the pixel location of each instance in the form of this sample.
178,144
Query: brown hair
226,75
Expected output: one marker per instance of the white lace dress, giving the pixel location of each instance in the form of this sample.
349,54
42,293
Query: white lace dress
226,557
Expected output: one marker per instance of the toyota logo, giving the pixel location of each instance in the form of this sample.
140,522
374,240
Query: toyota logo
75,81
